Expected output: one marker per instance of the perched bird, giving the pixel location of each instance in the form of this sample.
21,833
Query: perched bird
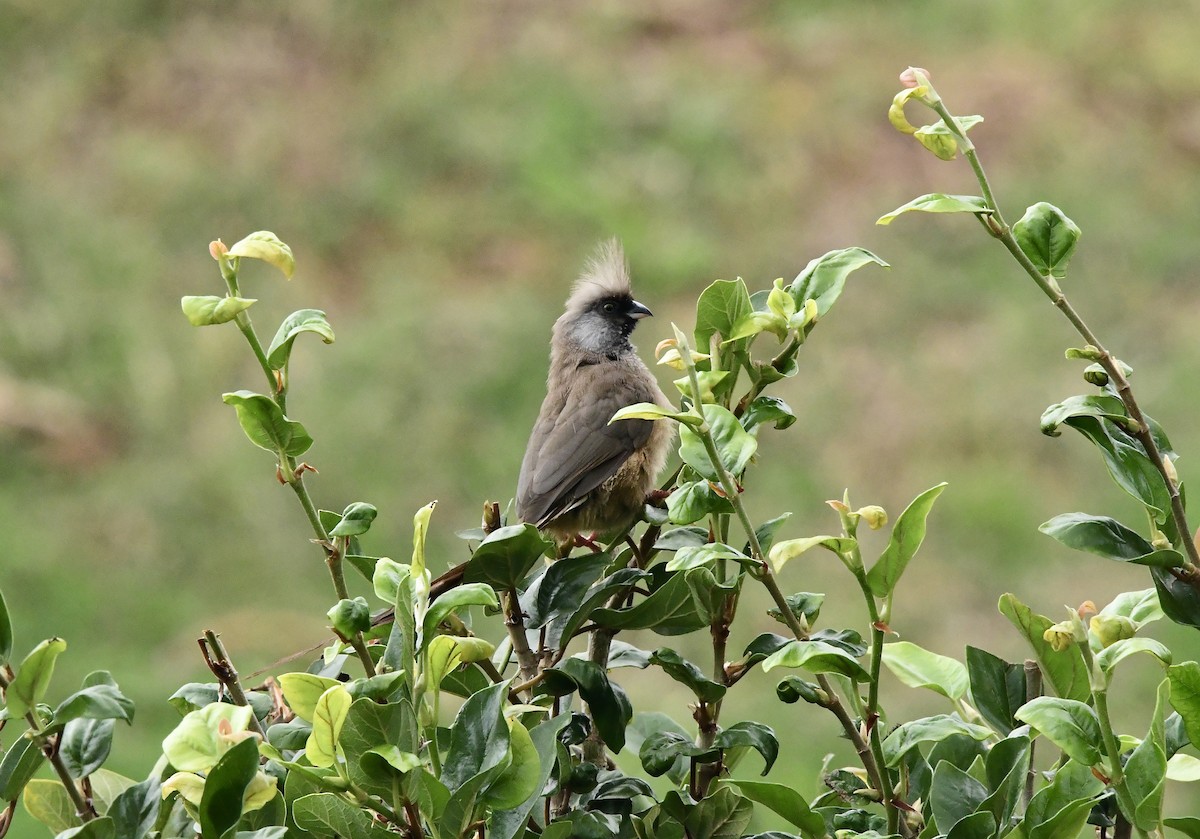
581,474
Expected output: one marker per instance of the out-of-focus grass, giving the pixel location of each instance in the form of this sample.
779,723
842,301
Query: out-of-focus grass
441,171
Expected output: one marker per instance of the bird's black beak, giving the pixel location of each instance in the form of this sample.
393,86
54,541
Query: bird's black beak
637,311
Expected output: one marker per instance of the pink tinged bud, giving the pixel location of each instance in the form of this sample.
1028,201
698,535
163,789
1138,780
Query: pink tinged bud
914,77
217,249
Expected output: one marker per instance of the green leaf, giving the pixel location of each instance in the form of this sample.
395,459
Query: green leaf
1006,766
734,445
48,802
506,823
1047,237
356,520
1100,406
722,815
370,726
1184,682
101,828
682,604
754,735
686,673
86,745
805,605
505,557
266,246
6,633
1059,811
651,411
20,763
328,717
782,553
265,424
767,531
954,795
302,690
928,730
224,786
348,617
621,580
519,781
1189,826
304,320
920,668
479,743
95,702
1108,658
785,801
660,751
823,279
33,677
327,815
560,591
997,688
937,202
467,594
706,554
907,535
387,579
765,409
607,702
1065,671
1069,724
694,500
1108,538
1146,769
719,308
135,810
209,310
817,657
1179,599
1126,462
1141,607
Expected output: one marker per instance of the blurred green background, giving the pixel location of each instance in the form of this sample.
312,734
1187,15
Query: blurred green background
441,171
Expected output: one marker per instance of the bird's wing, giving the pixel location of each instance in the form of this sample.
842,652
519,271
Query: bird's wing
580,451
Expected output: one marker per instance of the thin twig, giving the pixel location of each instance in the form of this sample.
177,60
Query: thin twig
218,661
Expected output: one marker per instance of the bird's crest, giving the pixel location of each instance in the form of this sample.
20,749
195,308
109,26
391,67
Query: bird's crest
605,275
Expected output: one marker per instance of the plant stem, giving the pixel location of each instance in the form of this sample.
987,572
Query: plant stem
221,665
1033,689
1112,749
1050,288
84,808
514,622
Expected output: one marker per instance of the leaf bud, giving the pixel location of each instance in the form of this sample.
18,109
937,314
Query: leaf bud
1060,637
793,689
1160,542
1169,468
874,515
1094,374
780,301
914,77
1109,629
217,249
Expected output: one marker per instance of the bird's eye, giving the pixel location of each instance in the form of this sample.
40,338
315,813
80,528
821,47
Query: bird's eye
609,307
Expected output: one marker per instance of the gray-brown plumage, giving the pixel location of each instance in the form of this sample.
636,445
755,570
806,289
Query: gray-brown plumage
581,474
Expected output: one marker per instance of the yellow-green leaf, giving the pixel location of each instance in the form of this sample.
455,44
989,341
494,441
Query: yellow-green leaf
266,246
328,717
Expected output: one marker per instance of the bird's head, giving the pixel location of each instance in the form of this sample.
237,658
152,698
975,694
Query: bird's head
601,312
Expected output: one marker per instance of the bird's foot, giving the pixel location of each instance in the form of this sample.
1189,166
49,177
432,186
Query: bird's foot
582,541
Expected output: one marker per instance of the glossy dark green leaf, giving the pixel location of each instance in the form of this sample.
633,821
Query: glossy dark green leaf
722,815
135,810
1108,538
735,445
1100,406
98,699
648,724
762,647
479,740
505,557
460,597
1187,825
561,589
1180,600
928,730
954,795
1065,670
291,735
768,409
845,639
705,555
766,533
791,689
20,763
686,673
221,804
1060,810
506,824
997,688
369,725
355,519
754,735
6,633
1126,462
1146,769
348,617
607,702
718,310
981,825
802,604
600,593
295,324
1006,765
936,202
327,815
207,310
682,537
824,278
1069,724
785,801
1184,682
661,749
692,501
907,535
817,657
682,604
101,828
1047,237
265,424
33,677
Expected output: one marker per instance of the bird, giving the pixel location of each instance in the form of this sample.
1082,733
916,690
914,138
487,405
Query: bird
580,473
